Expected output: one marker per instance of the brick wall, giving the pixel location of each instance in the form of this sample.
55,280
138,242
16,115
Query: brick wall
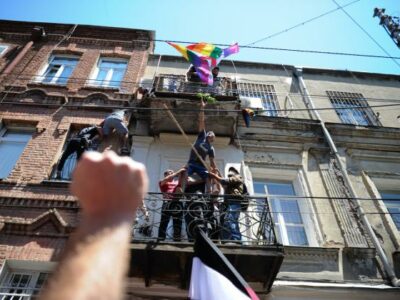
24,198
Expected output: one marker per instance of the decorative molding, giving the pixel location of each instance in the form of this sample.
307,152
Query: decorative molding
38,203
33,227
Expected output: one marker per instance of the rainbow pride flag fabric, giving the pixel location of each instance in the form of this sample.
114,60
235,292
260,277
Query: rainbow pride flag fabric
204,57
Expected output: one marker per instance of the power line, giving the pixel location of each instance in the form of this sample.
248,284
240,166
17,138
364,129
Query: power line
193,110
366,32
296,50
302,23
28,76
266,48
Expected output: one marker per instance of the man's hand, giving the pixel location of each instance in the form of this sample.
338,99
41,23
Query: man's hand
109,187
202,104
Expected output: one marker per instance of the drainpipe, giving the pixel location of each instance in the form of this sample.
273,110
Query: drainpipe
36,35
298,72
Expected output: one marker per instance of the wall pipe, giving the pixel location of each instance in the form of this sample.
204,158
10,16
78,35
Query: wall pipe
298,72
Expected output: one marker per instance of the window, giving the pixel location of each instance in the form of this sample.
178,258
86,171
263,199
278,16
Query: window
392,203
59,69
22,285
23,279
69,156
12,144
289,225
261,96
352,108
3,49
109,72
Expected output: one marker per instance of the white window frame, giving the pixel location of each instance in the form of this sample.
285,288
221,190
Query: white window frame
45,69
106,83
23,267
4,50
296,177
387,184
3,131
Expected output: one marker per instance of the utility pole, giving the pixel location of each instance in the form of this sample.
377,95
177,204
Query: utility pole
391,24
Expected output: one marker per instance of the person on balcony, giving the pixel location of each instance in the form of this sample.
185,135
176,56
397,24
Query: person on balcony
204,148
79,144
115,121
171,207
235,203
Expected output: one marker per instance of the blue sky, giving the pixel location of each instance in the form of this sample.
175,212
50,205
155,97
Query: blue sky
242,21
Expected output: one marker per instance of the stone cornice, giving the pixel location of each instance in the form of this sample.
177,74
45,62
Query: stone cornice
38,203
59,227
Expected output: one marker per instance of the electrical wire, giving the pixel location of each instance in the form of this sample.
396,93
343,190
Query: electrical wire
195,110
301,23
256,47
366,32
26,76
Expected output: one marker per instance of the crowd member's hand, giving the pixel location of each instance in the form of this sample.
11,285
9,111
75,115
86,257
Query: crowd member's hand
109,187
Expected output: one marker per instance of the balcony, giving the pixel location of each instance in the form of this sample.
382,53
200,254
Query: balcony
182,98
254,252
170,85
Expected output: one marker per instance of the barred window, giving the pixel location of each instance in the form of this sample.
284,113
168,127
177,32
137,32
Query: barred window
262,96
352,108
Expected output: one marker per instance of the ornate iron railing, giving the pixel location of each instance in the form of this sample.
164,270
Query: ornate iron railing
170,83
175,218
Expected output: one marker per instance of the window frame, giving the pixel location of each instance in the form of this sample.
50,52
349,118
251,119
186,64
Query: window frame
71,160
253,92
296,178
340,99
22,129
106,82
30,268
46,69
2,52
383,184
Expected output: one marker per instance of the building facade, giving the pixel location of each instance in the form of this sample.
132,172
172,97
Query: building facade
320,160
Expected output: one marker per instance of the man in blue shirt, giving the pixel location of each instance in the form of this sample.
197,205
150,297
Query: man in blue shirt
204,148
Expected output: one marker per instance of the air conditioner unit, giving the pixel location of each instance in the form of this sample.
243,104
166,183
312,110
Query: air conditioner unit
251,102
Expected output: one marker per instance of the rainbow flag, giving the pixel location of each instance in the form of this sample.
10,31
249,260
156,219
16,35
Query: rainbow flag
204,56
215,54
201,64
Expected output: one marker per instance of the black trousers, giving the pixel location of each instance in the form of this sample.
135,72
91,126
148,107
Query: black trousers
171,209
74,145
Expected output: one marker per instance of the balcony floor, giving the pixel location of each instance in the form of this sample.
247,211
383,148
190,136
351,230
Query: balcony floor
169,264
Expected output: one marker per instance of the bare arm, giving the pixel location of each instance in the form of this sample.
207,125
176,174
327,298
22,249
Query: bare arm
212,163
202,124
95,261
166,178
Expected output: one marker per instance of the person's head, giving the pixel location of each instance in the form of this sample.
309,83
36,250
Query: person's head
232,171
210,136
168,172
215,71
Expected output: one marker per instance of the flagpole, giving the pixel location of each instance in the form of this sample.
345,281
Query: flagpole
171,115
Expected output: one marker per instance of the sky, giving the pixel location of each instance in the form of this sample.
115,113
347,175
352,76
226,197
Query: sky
242,21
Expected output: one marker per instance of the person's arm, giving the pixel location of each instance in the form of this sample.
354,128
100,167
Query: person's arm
202,124
190,73
97,256
166,178
212,163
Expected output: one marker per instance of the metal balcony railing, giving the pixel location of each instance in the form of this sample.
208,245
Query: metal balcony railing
176,219
16,293
169,83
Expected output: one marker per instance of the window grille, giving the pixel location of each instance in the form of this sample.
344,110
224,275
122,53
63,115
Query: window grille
260,92
352,108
